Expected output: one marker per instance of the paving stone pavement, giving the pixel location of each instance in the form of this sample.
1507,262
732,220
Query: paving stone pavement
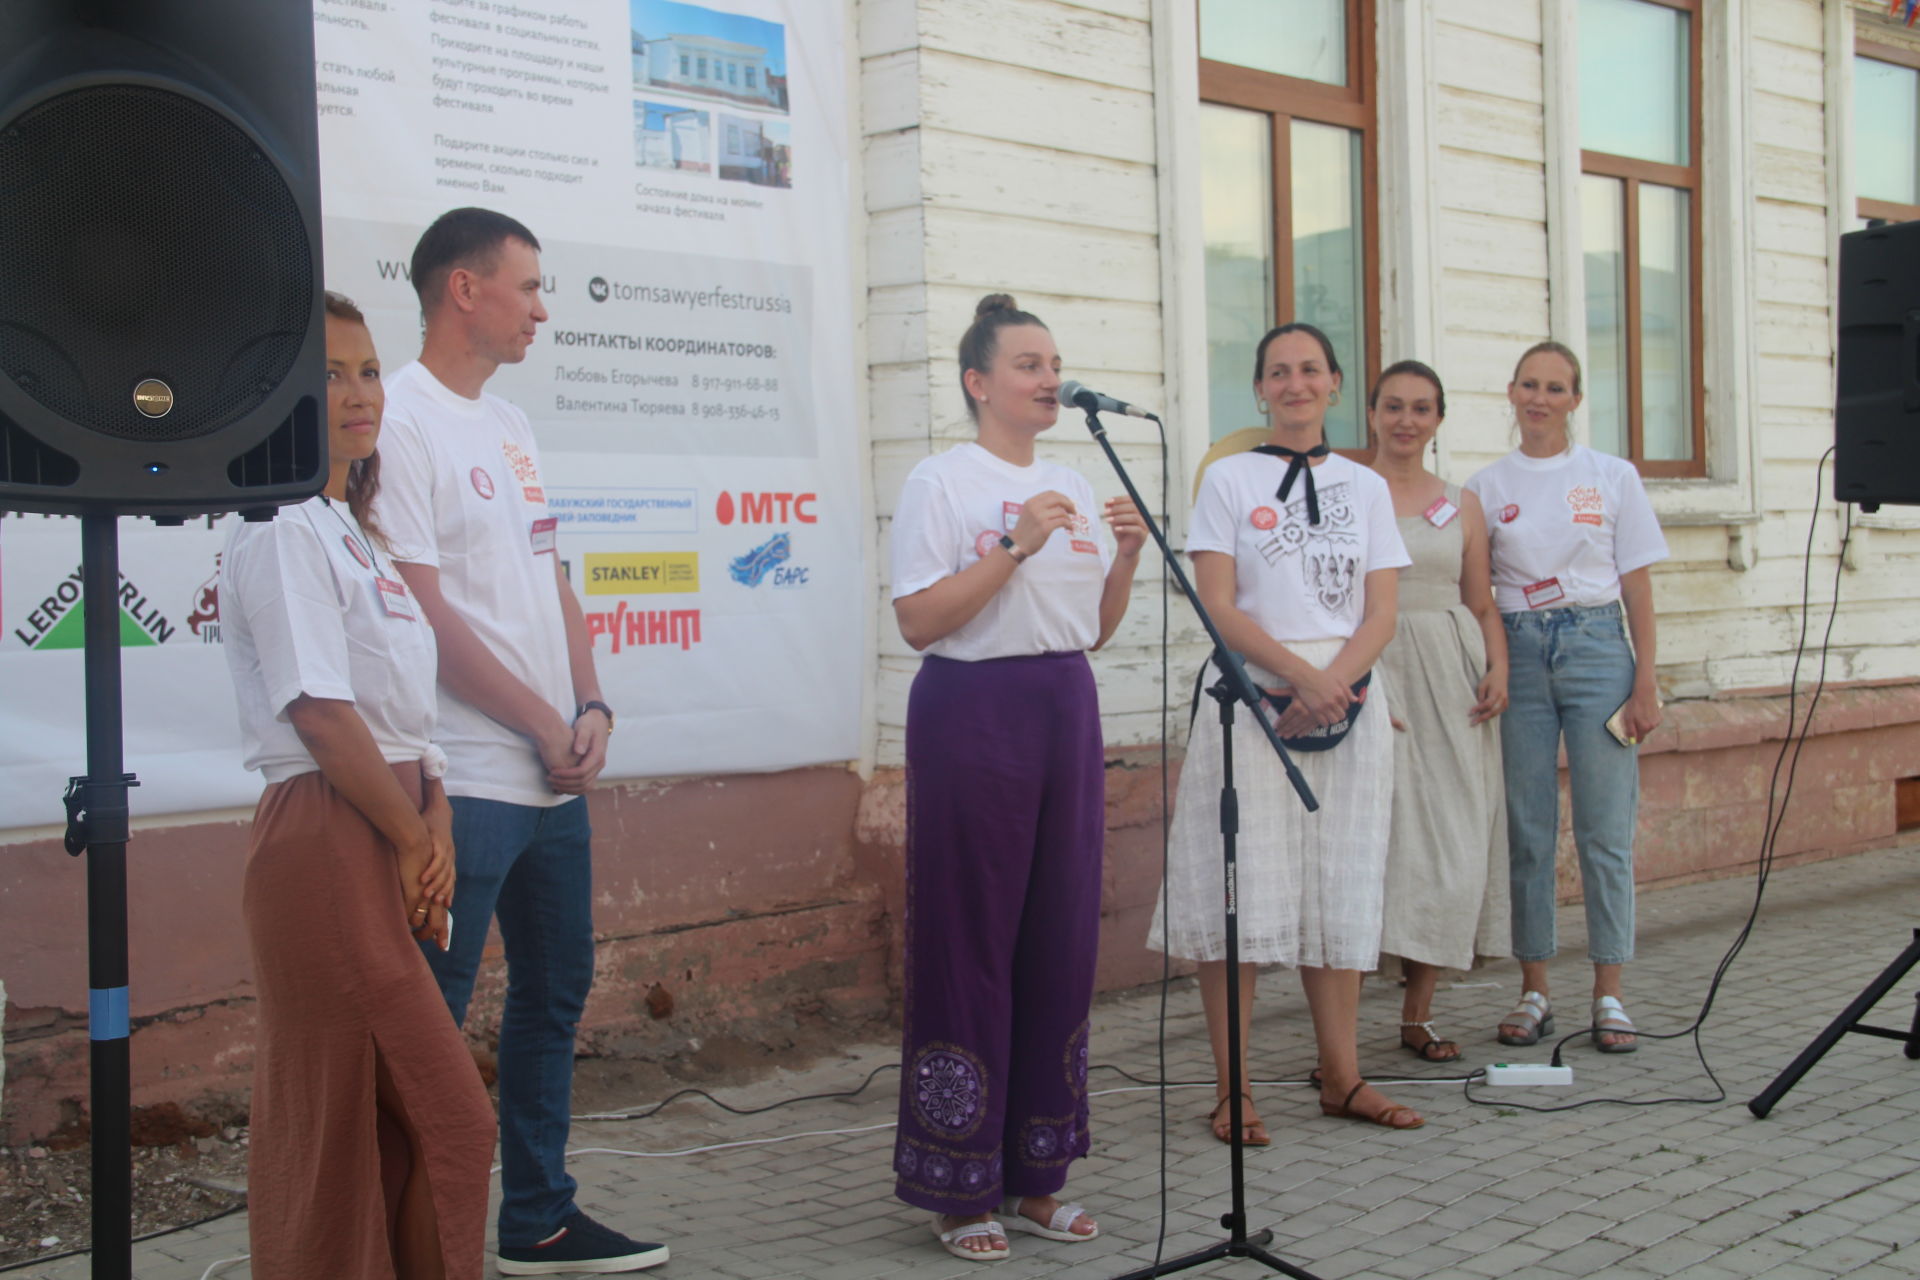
1828,1185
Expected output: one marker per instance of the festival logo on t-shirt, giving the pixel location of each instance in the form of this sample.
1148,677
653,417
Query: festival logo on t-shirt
521,463
1586,503
1080,536
1329,552
1264,518
482,482
1509,513
985,542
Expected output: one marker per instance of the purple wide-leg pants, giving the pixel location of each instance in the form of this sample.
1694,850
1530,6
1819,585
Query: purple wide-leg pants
1006,815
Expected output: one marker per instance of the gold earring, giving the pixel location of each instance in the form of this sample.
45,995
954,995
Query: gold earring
1333,398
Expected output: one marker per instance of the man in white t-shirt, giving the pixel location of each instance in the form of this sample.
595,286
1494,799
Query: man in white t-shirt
521,717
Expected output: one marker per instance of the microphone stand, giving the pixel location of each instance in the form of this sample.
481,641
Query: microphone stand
1233,686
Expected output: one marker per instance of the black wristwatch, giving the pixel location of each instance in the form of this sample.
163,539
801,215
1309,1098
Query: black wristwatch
1013,548
602,708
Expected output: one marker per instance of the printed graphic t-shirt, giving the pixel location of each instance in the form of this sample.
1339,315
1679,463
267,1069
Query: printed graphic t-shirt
1564,529
305,613
953,510
1299,581
460,490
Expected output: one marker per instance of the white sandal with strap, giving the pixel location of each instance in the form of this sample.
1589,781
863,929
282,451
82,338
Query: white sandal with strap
1533,1014
1610,1018
1056,1228
953,1241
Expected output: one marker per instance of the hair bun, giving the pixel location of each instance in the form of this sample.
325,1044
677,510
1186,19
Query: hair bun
996,302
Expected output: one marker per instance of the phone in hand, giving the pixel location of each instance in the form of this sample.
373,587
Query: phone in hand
1617,724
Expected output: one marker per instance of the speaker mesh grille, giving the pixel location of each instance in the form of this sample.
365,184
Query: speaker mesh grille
144,235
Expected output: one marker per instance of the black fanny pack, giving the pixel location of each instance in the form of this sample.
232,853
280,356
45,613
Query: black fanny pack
1323,738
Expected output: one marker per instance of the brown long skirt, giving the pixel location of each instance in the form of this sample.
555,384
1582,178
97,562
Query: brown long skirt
344,990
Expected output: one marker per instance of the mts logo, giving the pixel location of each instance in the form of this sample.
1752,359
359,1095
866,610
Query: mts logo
765,508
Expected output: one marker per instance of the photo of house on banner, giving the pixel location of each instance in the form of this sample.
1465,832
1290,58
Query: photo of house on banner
687,49
669,136
756,151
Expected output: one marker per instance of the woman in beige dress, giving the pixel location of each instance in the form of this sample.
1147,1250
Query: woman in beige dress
1446,896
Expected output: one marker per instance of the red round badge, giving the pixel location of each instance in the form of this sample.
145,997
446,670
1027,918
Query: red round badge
1265,518
1509,513
985,543
358,554
482,482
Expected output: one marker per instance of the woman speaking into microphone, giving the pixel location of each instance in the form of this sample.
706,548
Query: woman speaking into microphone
1297,557
1002,580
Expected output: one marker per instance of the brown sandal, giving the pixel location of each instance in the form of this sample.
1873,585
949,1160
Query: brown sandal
1344,1111
1255,1134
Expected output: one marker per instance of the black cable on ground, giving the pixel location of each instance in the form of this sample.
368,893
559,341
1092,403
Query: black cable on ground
45,1258
1777,801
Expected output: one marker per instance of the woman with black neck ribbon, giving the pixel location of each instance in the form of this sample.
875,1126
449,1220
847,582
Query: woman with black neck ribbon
1297,557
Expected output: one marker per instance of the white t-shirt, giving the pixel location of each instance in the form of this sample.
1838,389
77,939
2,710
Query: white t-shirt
1563,529
953,510
305,612
1298,581
460,490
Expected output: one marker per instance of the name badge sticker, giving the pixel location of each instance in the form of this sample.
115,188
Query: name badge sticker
395,600
1542,594
1441,514
545,534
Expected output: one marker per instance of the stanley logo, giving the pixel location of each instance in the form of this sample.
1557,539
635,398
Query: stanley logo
153,398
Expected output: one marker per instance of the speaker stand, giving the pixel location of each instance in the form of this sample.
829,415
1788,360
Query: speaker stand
1849,1021
97,826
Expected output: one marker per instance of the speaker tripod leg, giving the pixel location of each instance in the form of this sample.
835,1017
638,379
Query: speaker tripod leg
1850,1018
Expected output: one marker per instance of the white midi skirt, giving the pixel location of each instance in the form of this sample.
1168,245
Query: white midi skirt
1310,884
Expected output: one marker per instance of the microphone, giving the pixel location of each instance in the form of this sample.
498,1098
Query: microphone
1093,402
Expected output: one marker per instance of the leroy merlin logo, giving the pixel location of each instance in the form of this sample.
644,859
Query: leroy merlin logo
59,620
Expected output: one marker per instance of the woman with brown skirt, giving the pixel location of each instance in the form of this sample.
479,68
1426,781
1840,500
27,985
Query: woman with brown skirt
372,1134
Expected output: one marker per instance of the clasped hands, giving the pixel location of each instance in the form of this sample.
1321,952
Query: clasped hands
1050,510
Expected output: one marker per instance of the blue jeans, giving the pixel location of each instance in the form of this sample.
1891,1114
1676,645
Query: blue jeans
1569,669
533,868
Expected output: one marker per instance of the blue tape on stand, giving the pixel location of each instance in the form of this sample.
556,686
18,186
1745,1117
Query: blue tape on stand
107,1013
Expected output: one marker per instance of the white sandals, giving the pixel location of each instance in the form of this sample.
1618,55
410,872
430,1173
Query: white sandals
953,1241
1057,1227
1533,1015
1610,1018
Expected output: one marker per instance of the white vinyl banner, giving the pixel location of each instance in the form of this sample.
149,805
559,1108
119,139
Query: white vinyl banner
686,169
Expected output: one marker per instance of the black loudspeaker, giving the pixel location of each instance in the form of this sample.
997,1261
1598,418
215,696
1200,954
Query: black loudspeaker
162,333
1876,415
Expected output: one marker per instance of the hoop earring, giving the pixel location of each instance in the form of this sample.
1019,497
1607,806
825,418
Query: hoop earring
1261,405
1333,397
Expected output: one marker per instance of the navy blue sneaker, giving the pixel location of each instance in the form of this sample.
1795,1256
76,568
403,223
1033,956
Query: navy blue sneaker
581,1245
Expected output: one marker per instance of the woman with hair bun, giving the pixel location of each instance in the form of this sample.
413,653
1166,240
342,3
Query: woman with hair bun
1296,556
1446,897
372,1133
1002,580
1572,538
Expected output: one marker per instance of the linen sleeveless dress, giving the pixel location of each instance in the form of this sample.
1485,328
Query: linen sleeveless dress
1446,888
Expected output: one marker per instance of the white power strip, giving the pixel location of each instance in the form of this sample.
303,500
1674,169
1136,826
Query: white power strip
1510,1073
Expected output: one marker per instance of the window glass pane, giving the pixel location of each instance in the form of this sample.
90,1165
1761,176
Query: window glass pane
1603,227
1666,325
1304,38
1328,280
1236,201
1633,80
1886,103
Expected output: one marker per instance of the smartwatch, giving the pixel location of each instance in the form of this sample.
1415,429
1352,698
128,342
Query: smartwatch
1013,548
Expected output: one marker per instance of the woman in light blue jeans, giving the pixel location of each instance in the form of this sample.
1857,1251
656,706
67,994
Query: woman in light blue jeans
1572,535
